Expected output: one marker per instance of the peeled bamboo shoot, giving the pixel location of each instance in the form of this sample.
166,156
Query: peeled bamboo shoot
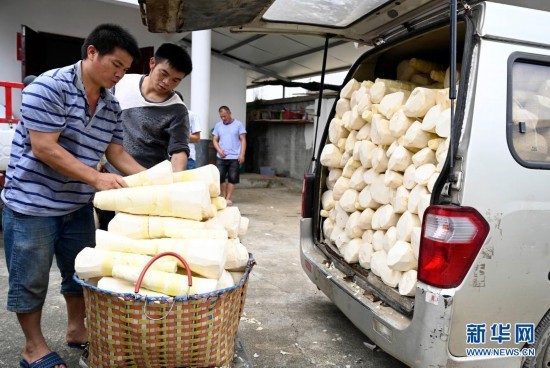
342,105
348,199
365,255
163,282
236,255
379,267
92,262
419,102
331,156
333,175
225,281
157,175
124,287
150,227
378,240
399,123
189,200
390,237
353,228
208,174
230,217
349,88
219,202
401,257
406,223
400,159
407,284
380,131
350,251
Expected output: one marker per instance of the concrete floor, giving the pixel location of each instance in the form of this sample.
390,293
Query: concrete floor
287,321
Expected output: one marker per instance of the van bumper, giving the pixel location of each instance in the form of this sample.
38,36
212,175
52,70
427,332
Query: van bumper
420,341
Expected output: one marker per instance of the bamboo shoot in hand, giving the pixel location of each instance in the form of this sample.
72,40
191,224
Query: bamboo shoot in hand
208,174
157,175
190,200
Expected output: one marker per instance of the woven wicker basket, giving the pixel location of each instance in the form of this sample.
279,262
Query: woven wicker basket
131,330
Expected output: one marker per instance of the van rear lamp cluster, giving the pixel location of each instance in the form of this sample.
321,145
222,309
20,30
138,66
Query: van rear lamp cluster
451,240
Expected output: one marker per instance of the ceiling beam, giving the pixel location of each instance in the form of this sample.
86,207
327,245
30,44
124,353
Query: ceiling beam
243,63
307,75
242,43
303,53
310,86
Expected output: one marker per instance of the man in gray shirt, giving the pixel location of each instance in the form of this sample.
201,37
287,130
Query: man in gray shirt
155,120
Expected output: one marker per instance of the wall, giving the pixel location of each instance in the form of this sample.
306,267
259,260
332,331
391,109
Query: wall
227,87
285,146
78,17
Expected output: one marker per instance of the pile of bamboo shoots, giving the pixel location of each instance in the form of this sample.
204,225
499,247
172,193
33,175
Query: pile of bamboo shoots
162,211
386,147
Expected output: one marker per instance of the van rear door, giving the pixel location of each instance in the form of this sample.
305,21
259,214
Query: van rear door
367,22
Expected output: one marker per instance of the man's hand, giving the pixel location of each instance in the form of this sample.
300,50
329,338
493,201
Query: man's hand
222,154
241,159
105,181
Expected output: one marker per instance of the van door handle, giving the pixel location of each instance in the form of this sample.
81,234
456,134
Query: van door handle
522,127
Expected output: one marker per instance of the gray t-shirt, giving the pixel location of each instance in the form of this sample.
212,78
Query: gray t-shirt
153,131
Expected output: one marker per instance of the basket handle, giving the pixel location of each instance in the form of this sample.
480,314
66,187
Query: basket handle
173,254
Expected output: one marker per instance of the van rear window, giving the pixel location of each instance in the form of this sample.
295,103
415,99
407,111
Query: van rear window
529,129
332,13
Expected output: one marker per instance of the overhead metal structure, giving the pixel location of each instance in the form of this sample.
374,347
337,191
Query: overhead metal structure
266,57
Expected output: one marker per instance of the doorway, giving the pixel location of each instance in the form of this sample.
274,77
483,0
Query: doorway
42,51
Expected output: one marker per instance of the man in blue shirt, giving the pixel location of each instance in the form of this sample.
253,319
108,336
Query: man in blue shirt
194,138
69,119
230,144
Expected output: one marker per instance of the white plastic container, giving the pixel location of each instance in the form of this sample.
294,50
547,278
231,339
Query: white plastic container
6,136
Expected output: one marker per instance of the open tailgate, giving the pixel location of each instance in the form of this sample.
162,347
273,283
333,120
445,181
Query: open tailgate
363,21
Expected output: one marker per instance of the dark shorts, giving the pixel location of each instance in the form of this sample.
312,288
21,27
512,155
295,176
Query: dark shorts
229,169
30,244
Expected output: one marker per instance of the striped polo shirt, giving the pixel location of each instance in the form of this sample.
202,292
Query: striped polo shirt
56,103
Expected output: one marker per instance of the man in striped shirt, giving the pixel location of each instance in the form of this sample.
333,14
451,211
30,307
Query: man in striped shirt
69,119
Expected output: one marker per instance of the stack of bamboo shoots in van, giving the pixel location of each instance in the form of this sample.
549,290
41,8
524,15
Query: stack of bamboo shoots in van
161,211
387,144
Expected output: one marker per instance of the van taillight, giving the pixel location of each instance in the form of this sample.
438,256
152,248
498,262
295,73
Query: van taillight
451,239
307,195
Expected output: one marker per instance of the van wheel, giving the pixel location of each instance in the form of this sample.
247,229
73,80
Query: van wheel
541,345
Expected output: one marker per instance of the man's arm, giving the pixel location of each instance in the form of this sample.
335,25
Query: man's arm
179,161
178,138
46,149
121,160
195,137
215,141
243,148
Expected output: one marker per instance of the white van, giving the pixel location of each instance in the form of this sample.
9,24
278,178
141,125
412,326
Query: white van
474,227
483,292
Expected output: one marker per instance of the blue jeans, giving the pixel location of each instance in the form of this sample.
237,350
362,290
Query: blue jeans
30,243
191,164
